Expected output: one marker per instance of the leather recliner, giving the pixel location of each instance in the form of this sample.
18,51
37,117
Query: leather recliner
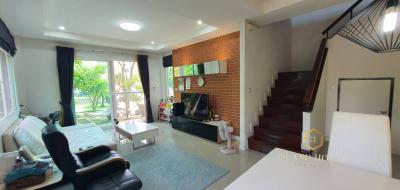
93,168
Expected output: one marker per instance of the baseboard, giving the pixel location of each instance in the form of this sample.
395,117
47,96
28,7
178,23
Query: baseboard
236,138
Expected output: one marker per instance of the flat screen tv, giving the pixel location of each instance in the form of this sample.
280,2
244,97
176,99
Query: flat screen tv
196,105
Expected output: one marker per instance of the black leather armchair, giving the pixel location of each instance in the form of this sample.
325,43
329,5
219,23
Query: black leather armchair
94,168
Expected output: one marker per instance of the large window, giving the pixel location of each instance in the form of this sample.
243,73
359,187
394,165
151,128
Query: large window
8,100
127,91
107,90
170,81
91,93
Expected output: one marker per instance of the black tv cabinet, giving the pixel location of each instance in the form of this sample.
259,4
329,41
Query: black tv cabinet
197,128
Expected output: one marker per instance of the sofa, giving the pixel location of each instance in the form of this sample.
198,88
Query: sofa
26,134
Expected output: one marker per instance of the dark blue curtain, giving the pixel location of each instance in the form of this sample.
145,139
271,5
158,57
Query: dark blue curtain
65,65
167,61
143,66
6,39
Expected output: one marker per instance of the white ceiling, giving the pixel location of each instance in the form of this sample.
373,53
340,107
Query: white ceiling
169,23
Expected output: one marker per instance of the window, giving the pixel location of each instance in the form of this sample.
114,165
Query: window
170,81
127,91
8,100
91,92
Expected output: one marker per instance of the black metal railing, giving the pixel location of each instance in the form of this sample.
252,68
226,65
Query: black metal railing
346,17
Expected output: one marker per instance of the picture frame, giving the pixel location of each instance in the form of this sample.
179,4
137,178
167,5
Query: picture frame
181,85
188,83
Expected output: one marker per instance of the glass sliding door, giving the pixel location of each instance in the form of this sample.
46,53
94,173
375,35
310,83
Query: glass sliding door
170,81
127,91
91,93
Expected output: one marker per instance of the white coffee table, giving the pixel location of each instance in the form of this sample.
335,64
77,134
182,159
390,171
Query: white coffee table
137,131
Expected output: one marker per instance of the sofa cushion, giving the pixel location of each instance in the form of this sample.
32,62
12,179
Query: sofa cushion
83,137
9,143
29,134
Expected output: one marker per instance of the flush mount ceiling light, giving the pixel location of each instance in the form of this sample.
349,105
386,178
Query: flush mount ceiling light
152,42
376,27
130,25
61,27
199,22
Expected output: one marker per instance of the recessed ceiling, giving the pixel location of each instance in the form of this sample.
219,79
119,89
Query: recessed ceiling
169,23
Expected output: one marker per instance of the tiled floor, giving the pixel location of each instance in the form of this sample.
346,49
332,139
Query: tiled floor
236,164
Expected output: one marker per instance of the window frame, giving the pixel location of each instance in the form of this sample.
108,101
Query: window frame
167,82
9,83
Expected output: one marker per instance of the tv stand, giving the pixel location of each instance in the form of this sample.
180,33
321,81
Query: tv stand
206,130
193,118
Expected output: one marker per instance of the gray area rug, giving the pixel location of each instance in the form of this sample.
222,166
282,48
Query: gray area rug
165,166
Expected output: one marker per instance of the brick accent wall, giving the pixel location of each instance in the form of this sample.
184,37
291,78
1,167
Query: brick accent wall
223,89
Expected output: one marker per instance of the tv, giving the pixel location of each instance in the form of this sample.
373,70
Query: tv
195,105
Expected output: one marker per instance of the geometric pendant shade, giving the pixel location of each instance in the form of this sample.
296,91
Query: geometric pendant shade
374,28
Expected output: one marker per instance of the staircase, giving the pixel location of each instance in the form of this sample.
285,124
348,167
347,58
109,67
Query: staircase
281,124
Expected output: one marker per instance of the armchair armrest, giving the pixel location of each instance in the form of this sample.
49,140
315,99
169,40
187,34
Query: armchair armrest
92,152
102,169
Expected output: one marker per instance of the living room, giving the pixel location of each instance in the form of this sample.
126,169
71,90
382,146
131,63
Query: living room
199,94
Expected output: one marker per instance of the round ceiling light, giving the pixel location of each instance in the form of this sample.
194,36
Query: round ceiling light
130,26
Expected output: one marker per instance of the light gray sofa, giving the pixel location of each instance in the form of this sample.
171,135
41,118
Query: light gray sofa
26,133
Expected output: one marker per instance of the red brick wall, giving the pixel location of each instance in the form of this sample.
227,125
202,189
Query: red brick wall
223,89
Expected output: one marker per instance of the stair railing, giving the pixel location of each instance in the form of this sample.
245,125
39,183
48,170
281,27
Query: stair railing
329,32
312,87
343,19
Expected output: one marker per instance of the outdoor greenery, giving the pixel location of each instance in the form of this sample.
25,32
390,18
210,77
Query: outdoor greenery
188,70
92,94
128,83
170,79
90,82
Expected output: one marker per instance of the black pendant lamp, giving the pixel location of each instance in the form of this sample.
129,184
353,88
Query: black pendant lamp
376,27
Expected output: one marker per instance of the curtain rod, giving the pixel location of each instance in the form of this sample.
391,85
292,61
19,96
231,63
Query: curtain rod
106,51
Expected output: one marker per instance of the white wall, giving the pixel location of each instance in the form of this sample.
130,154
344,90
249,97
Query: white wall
264,51
346,59
157,82
307,35
37,76
316,118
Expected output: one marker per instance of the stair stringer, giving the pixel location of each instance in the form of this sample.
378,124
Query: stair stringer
263,102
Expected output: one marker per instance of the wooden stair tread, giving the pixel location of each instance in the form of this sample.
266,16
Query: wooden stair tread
271,135
281,123
265,147
288,125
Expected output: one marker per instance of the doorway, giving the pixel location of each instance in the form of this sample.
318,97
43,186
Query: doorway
366,95
104,91
127,92
91,93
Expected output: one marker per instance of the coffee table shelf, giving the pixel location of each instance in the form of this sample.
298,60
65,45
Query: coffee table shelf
137,131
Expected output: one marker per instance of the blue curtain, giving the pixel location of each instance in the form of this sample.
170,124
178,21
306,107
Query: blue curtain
6,39
144,77
65,65
167,61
